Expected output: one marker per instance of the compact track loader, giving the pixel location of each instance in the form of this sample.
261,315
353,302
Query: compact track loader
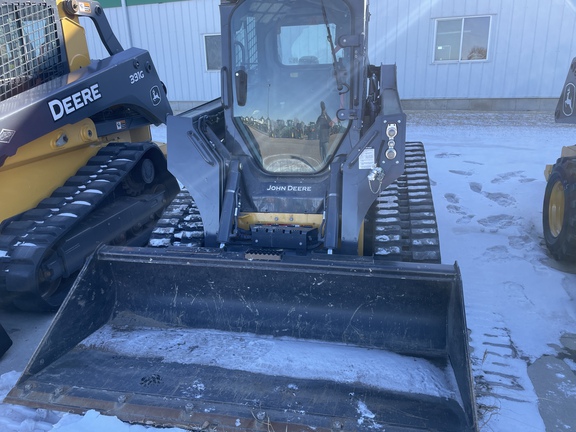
559,212
77,166
295,284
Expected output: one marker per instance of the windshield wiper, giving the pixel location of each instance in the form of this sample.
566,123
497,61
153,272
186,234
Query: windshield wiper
342,88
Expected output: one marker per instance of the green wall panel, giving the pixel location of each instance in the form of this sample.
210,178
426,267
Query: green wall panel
110,3
118,3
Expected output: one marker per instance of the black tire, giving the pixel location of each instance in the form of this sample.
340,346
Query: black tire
559,210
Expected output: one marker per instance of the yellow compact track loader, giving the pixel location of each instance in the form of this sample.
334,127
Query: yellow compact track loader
295,284
559,212
77,166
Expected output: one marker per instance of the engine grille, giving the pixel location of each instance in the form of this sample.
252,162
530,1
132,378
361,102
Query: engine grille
30,48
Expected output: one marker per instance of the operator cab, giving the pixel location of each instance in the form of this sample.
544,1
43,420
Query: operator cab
291,78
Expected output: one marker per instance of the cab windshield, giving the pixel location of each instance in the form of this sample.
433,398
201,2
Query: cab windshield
291,78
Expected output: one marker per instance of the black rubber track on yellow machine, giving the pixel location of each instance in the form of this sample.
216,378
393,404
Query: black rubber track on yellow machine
28,241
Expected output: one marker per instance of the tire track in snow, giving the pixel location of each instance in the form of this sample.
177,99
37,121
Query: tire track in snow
501,382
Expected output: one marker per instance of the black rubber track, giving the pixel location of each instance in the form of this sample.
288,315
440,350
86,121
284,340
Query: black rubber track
403,218
28,240
180,224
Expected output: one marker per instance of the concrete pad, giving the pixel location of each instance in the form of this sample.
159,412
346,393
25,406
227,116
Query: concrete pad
569,342
555,385
26,331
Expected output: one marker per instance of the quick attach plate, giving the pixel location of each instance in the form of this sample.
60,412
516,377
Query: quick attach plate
284,237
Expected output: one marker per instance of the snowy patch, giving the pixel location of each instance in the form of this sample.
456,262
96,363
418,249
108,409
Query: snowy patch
282,356
367,417
25,244
159,242
15,418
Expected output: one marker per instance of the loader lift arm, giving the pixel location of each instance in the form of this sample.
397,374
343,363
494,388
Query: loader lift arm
94,11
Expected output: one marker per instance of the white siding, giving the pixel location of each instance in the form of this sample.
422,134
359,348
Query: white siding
173,33
531,45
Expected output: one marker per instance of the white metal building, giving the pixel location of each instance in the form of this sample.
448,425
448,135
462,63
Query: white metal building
451,54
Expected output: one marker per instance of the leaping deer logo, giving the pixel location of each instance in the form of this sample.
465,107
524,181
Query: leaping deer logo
568,105
155,95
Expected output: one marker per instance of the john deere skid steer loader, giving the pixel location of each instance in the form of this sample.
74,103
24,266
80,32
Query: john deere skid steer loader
559,213
77,167
296,283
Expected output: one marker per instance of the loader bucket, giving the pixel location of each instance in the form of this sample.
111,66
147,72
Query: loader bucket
206,339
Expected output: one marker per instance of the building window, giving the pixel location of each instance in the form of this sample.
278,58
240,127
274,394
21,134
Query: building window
306,44
462,39
213,45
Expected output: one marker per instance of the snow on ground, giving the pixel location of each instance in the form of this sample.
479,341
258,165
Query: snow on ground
488,185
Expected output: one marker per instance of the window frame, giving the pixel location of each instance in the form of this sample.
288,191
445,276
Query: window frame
462,21
206,51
